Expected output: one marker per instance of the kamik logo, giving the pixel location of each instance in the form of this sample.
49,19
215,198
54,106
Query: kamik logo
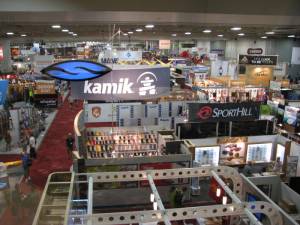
76,70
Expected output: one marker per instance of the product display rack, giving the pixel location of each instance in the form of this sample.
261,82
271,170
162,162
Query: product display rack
119,145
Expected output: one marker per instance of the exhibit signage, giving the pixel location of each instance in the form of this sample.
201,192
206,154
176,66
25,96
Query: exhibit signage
44,87
266,60
255,51
164,44
1,53
76,70
275,85
3,91
200,112
125,84
291,115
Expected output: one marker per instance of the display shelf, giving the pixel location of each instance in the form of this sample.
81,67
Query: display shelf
129,144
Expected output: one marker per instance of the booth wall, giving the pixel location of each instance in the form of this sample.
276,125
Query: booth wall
295,151
288,194
5,64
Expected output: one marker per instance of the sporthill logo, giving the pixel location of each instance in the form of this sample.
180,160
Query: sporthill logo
76,70
205,112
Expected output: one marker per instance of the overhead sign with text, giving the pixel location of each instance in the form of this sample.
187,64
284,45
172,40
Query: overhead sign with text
125,84
265,60
201,112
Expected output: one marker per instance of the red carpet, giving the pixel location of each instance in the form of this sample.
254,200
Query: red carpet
52,154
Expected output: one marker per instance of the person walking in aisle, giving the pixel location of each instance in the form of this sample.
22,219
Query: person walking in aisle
32,144
70,144
8,141
26,163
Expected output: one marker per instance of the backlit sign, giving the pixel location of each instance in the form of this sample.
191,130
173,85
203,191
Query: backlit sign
222,112
76,70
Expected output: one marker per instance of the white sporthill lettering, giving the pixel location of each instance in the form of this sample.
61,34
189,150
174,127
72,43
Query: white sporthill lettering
237,112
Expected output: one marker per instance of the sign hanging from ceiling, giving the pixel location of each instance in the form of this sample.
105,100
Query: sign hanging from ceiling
264,60
164,44
255,51
125,84
201,112
1,53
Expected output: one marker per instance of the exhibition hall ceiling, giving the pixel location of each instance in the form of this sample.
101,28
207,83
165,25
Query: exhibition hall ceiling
176,19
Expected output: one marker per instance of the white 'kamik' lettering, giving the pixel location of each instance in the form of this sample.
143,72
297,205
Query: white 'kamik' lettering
122,87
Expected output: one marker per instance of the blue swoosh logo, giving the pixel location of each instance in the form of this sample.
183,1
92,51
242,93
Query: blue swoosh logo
76,70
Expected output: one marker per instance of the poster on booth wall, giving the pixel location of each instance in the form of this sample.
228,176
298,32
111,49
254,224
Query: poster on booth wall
125,83
44,87
3,91
164,44
258,76
151,111
98,113
219,68
290,116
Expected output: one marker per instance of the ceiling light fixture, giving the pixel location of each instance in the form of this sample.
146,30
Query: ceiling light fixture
291,36
149,26
74,34
56,26
130,32
220,35
139,30
187,33
270,32
125,34
65,30
23,35
9,33
235,28
71,32
174,35
264,37
241,34
207,31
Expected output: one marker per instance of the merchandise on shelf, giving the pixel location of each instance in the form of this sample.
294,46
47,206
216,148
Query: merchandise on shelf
119,145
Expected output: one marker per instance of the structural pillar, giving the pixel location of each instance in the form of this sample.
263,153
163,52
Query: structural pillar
5,56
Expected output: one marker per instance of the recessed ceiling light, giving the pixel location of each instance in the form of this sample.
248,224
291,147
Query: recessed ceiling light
125,34
291,36
187,33
270,32
207,31
241,34
139,30
149,26
23,35
65,30
71,32
174,35
130,32
264,37
9,33
235,28
56,26
74,34
220,35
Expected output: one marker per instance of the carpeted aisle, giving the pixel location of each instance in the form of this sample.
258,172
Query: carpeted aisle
52,153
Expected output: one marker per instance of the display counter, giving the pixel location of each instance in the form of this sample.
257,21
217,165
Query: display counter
238,151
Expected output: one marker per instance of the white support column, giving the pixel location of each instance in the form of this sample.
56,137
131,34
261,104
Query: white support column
234,198
158,199
90,200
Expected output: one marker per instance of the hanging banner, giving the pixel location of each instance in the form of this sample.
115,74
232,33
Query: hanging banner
296,56
1,53
164,44
3,91
266,60
125,84
255,51
201,112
